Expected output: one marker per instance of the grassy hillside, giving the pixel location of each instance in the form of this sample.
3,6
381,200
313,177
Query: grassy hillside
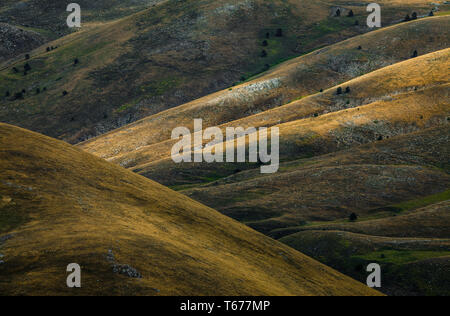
414,258
172,53
380,105
130,235
290,81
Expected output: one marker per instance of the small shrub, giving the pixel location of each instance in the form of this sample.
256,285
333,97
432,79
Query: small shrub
27,67
267,35
359,47
279,33
76,61
414,16
321,90
18,96
27,56
351,14
347,90
407,18
65,93
48,49
15,70
356,23
431,13
265,43
415,54
263,53
353,217
338,12
38,90
7,94
339,91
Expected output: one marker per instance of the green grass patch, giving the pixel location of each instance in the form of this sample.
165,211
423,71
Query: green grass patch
401,256
422,202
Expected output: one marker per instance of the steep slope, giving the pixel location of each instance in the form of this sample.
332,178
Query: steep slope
172,53
292,80
129,234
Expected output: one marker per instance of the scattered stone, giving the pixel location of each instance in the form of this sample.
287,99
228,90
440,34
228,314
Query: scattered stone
126,270
5,238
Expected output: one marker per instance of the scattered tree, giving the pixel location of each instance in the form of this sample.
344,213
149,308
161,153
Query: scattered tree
351,14
7,94
27,67
407,18
48,49
359,47
321,90
415,54
338,12
431,13
414,16
65,93
267,35
24,91
339,91
15,70
347,90
263,53
265,43
356,22
279,33
76,61
353,217
18,96
27,56
38,90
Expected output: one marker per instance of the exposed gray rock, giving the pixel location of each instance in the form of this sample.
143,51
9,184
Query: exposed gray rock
127,270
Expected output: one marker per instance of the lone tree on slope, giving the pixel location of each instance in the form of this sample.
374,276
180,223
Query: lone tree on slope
353,217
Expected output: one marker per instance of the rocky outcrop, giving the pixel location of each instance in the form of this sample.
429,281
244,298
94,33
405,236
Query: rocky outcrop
15,41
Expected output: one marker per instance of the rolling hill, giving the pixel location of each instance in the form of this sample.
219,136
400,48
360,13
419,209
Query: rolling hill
131,236
169,54
381,104
293,80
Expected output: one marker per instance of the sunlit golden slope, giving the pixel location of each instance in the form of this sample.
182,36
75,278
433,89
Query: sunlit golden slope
295,79
395,100
59,205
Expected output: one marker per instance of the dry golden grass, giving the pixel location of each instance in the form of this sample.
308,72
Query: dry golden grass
381,103
296,78
60,205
